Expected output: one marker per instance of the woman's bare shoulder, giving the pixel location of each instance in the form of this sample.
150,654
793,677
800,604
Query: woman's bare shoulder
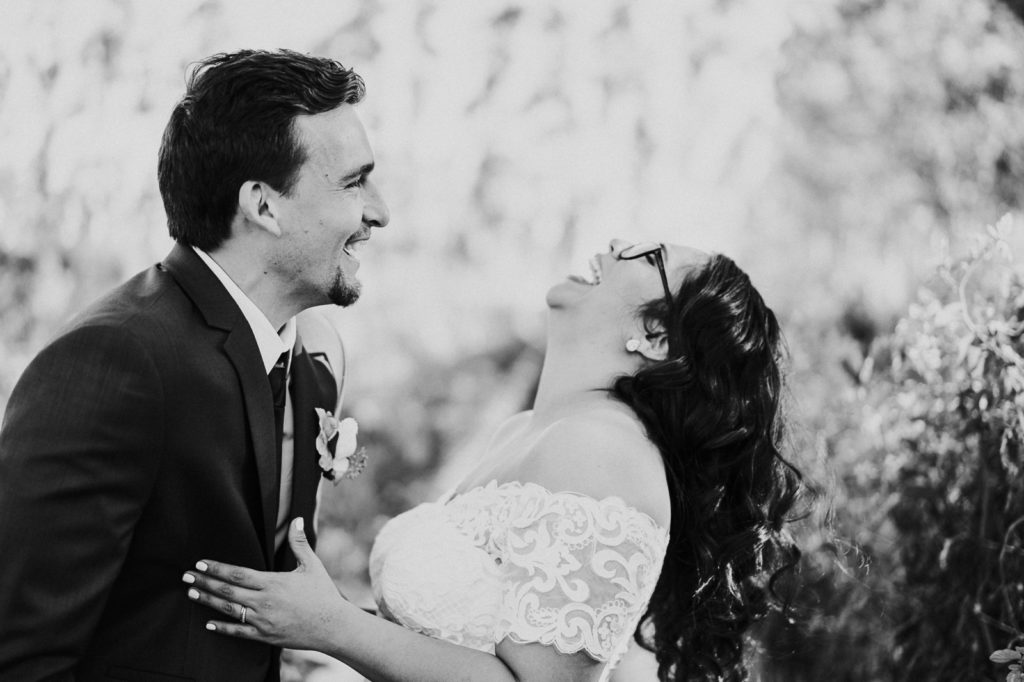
601,453
510,428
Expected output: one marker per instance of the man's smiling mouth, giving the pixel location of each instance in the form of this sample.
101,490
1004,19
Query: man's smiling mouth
354,244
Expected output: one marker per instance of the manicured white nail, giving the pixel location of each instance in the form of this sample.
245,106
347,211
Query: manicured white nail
188,578
299,523
193,594
211,626
201,565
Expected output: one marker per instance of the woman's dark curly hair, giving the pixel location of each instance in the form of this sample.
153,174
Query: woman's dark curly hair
713,408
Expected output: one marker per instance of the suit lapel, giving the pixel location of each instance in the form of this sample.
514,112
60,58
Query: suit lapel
220,311
205,290
259,409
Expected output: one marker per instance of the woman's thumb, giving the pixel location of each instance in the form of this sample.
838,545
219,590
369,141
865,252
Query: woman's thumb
299,544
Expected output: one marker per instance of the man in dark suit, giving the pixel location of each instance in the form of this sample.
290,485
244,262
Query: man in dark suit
155,429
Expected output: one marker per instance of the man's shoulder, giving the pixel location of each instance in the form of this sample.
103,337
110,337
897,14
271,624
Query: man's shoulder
149,306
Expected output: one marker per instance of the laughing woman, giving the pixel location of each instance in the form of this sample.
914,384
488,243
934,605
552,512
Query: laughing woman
644,496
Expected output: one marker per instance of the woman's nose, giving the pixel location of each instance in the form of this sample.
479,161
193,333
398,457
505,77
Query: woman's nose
617,245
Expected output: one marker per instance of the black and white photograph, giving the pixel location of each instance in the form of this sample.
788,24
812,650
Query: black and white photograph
538,341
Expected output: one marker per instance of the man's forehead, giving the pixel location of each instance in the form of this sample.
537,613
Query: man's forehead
342,116
335,136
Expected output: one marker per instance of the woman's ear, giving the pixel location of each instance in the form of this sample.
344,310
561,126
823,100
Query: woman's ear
654,346
257,202
651,345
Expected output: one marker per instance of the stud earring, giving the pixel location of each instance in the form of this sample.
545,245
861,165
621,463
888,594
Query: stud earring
633,345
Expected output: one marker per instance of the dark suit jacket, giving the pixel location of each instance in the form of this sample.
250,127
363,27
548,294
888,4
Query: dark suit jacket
138,442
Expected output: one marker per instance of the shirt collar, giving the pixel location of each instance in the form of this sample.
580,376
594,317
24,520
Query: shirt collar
271,342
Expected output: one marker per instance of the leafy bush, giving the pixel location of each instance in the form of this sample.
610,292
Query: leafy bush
1013,657
948,424
929,497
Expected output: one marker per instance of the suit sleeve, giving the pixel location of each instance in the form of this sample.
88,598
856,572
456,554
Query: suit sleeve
80,448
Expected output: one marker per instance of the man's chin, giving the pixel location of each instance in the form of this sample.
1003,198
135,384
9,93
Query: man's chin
344,293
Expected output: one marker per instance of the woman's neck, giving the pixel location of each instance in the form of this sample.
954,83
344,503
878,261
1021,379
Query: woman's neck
572,379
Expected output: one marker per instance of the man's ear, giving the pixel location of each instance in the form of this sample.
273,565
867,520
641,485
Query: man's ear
257,202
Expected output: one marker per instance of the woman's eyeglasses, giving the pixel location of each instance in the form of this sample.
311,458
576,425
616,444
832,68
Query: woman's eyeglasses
652,252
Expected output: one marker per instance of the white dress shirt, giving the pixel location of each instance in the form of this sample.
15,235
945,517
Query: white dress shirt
271,344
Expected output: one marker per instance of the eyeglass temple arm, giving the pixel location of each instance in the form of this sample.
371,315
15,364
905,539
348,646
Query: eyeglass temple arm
664,279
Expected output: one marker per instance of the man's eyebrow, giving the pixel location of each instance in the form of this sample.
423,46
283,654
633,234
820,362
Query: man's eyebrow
365,169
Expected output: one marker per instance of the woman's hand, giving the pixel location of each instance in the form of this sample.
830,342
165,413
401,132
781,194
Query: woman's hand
298,610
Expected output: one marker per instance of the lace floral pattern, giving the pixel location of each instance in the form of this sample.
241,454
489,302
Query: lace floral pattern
516,560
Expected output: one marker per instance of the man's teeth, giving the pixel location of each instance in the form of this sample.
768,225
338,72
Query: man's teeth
351,248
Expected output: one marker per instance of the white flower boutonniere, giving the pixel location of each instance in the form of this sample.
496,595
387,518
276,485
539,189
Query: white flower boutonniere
336,445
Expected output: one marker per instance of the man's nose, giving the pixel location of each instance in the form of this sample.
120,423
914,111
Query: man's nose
375,212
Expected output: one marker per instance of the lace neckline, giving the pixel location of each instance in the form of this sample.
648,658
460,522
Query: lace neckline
493,486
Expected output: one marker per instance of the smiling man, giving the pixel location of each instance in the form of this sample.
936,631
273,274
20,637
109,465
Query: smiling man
175,418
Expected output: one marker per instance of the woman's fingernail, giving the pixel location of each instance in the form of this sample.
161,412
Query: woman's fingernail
193,594
211,626
299,523
201,565
188,578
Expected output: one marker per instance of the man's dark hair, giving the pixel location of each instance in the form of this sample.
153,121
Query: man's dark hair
234,124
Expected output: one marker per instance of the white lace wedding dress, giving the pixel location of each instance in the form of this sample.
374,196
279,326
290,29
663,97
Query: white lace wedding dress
516,560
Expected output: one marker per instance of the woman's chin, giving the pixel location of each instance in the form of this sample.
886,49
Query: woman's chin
565,293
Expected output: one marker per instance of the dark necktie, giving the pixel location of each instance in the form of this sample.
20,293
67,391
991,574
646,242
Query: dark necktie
279,387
